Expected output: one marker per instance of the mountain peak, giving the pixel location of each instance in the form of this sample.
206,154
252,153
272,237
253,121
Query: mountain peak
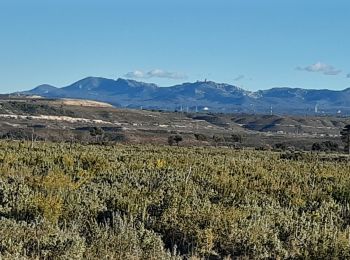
90,83
43,89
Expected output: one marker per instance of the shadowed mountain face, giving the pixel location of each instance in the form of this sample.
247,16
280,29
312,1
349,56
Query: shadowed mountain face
217,97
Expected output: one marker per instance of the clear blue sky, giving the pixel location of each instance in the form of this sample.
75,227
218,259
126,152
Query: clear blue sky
255,44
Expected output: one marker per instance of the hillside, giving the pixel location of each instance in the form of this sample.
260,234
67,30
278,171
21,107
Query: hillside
67,119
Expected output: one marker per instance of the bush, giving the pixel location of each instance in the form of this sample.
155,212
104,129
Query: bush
175,139
327,146
218,139
17,135
201,137
280,146
291,155
237,138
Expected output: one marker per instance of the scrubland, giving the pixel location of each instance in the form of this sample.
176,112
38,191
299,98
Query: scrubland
69,201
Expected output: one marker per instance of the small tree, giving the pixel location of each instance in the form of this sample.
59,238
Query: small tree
174,139
236,138
280,146
201,137
96,132
316,147
171,140
326,146
345,137
218,139
178,139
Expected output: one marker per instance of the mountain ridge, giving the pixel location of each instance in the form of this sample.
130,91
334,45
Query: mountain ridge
217,97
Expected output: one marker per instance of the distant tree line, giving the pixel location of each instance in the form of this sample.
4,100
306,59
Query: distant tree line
326,146
89,135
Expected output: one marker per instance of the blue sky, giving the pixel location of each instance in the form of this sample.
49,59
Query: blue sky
255,44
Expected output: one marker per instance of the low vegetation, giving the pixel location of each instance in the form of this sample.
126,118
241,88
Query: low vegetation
69,201
326,146
34,109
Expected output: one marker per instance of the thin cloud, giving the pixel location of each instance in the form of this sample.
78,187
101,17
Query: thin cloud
137,74
156,73
348,75
320,67
240,77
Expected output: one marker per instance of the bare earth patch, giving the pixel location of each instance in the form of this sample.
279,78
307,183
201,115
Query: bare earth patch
81,102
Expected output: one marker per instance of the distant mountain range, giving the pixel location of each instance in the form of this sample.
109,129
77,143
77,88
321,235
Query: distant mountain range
209,95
